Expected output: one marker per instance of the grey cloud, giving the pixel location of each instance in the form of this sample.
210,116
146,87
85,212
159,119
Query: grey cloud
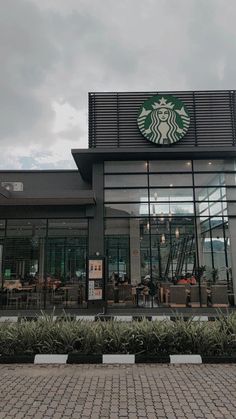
212,47
57,50
27,55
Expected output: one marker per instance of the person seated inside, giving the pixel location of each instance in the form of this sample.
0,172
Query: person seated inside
187,279
182,281
145,288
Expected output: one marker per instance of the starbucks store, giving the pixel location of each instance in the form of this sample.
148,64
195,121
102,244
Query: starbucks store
147,219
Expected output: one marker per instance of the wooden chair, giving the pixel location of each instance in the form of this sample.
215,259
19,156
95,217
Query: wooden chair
164,292
34,297
58,297
14,298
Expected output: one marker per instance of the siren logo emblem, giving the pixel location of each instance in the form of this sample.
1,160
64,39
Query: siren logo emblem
163,119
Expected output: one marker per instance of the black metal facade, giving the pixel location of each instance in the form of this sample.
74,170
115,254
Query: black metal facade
113,119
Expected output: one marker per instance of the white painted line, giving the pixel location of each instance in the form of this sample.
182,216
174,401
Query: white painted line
118,359
123,318
86,318
50,359
160,318
10,319
185,359
200,318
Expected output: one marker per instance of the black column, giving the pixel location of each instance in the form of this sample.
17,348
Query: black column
96,226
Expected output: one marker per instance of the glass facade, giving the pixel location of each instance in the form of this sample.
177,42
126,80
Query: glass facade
169,235
169,229
43,263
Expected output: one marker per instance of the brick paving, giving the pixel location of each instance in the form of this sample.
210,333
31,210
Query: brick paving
112,391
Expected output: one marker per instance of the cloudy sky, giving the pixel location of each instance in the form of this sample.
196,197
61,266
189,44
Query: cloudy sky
53,52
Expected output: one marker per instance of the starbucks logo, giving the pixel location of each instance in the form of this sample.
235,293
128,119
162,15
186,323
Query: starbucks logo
163,119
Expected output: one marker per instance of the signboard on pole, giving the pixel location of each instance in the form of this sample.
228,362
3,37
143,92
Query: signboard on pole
95,278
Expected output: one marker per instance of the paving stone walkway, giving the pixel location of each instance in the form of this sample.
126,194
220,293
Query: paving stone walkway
112,391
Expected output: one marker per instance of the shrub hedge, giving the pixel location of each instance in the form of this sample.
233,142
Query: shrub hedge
216,338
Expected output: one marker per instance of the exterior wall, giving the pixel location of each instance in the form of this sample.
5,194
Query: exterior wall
46,182
113,119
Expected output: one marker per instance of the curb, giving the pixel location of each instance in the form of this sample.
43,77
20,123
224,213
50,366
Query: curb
123,318
62,359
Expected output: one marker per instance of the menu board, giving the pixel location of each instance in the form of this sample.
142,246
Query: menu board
94,292
95,268
95,278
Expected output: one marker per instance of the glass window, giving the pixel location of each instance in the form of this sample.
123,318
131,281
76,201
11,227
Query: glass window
2,228
117,251
171,194
170,166
171,180
26,228
231,194
125,180
67,227
230,179
209,179
202,208
160,209
138,195
66,255
24,251
170,209
216,208
208,165
182,208
125,166
204,223
215,221
117,226
124,210
231,208
210,194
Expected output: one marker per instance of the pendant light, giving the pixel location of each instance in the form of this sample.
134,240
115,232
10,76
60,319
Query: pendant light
177,233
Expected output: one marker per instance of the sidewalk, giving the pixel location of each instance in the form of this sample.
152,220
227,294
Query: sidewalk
137,391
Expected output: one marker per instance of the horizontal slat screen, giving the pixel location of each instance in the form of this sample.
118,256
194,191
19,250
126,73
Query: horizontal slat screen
113,119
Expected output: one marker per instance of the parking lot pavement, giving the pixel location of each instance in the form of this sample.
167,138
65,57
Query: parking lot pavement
113,391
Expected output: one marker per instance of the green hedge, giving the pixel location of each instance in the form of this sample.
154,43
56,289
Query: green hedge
44,335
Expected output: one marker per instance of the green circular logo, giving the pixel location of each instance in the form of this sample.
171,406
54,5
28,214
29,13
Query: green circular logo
163,119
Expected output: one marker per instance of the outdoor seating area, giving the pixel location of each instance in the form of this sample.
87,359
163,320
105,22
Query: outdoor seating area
15,295
167,294
72,294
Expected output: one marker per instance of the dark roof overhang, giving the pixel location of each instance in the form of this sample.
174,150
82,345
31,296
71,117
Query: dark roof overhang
85,158
84,197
